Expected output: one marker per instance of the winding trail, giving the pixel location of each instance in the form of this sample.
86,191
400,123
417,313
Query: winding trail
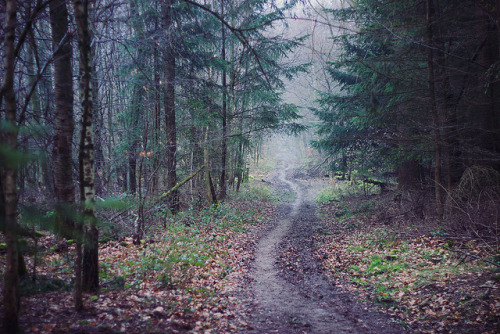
308,304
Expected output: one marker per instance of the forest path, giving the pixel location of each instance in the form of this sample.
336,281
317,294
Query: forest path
302,301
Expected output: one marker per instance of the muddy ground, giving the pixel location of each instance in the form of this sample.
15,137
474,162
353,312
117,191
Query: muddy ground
295,296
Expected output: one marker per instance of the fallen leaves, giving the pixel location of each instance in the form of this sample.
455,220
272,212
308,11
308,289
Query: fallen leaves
416,278
182,279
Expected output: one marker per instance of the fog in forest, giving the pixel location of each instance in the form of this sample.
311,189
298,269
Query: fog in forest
307,19
250,166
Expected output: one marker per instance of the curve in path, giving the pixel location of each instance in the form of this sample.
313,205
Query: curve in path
309,303
281,304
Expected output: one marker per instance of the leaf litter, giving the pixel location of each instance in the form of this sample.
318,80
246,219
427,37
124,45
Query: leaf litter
182,279
187,279
428,282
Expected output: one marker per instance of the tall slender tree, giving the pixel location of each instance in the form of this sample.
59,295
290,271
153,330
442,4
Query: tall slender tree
169,60
9,175
90,281
64,127
436,128
224,109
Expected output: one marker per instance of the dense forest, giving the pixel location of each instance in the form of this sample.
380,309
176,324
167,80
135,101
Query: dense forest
414,91
124,120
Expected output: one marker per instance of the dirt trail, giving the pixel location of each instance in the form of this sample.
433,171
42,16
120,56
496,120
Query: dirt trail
306,302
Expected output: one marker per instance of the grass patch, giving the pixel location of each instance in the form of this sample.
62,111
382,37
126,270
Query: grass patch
192,240
414,278
345,211
422,278
340,190
254,191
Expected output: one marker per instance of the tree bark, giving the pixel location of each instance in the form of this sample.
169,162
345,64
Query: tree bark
222,184
431,59
11,281
169,102
90,264
489,87
134,138
211,195
498,24
136,101
156,117
64,128
98,120
64,125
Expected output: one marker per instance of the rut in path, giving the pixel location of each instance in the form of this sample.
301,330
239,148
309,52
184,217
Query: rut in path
287,307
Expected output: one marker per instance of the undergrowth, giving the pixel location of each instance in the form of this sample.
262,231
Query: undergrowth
429,281
253,191
182,272
339,190
187,241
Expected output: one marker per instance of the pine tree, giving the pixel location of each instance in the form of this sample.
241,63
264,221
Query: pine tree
407,76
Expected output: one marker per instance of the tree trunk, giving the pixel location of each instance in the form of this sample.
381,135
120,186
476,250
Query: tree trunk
498,23
222,184
90,265
136,101
78,273
64,128
64,125
211,195
431,59
134,138
156,123
239,166
488,93
32,55
169,101
98,128
9,193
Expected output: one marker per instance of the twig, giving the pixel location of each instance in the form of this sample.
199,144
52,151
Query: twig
473,256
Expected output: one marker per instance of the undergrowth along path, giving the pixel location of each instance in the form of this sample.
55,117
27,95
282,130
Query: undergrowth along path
284,303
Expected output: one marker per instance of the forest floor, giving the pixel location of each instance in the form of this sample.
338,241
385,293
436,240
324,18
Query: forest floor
425,278
305,300
272,261
369,257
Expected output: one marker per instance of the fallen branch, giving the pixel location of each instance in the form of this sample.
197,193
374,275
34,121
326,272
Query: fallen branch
473,256
382,185
180,184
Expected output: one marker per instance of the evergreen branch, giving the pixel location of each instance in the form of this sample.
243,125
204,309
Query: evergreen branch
238,32
316,21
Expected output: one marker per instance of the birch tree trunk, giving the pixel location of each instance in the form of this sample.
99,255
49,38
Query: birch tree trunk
90,263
